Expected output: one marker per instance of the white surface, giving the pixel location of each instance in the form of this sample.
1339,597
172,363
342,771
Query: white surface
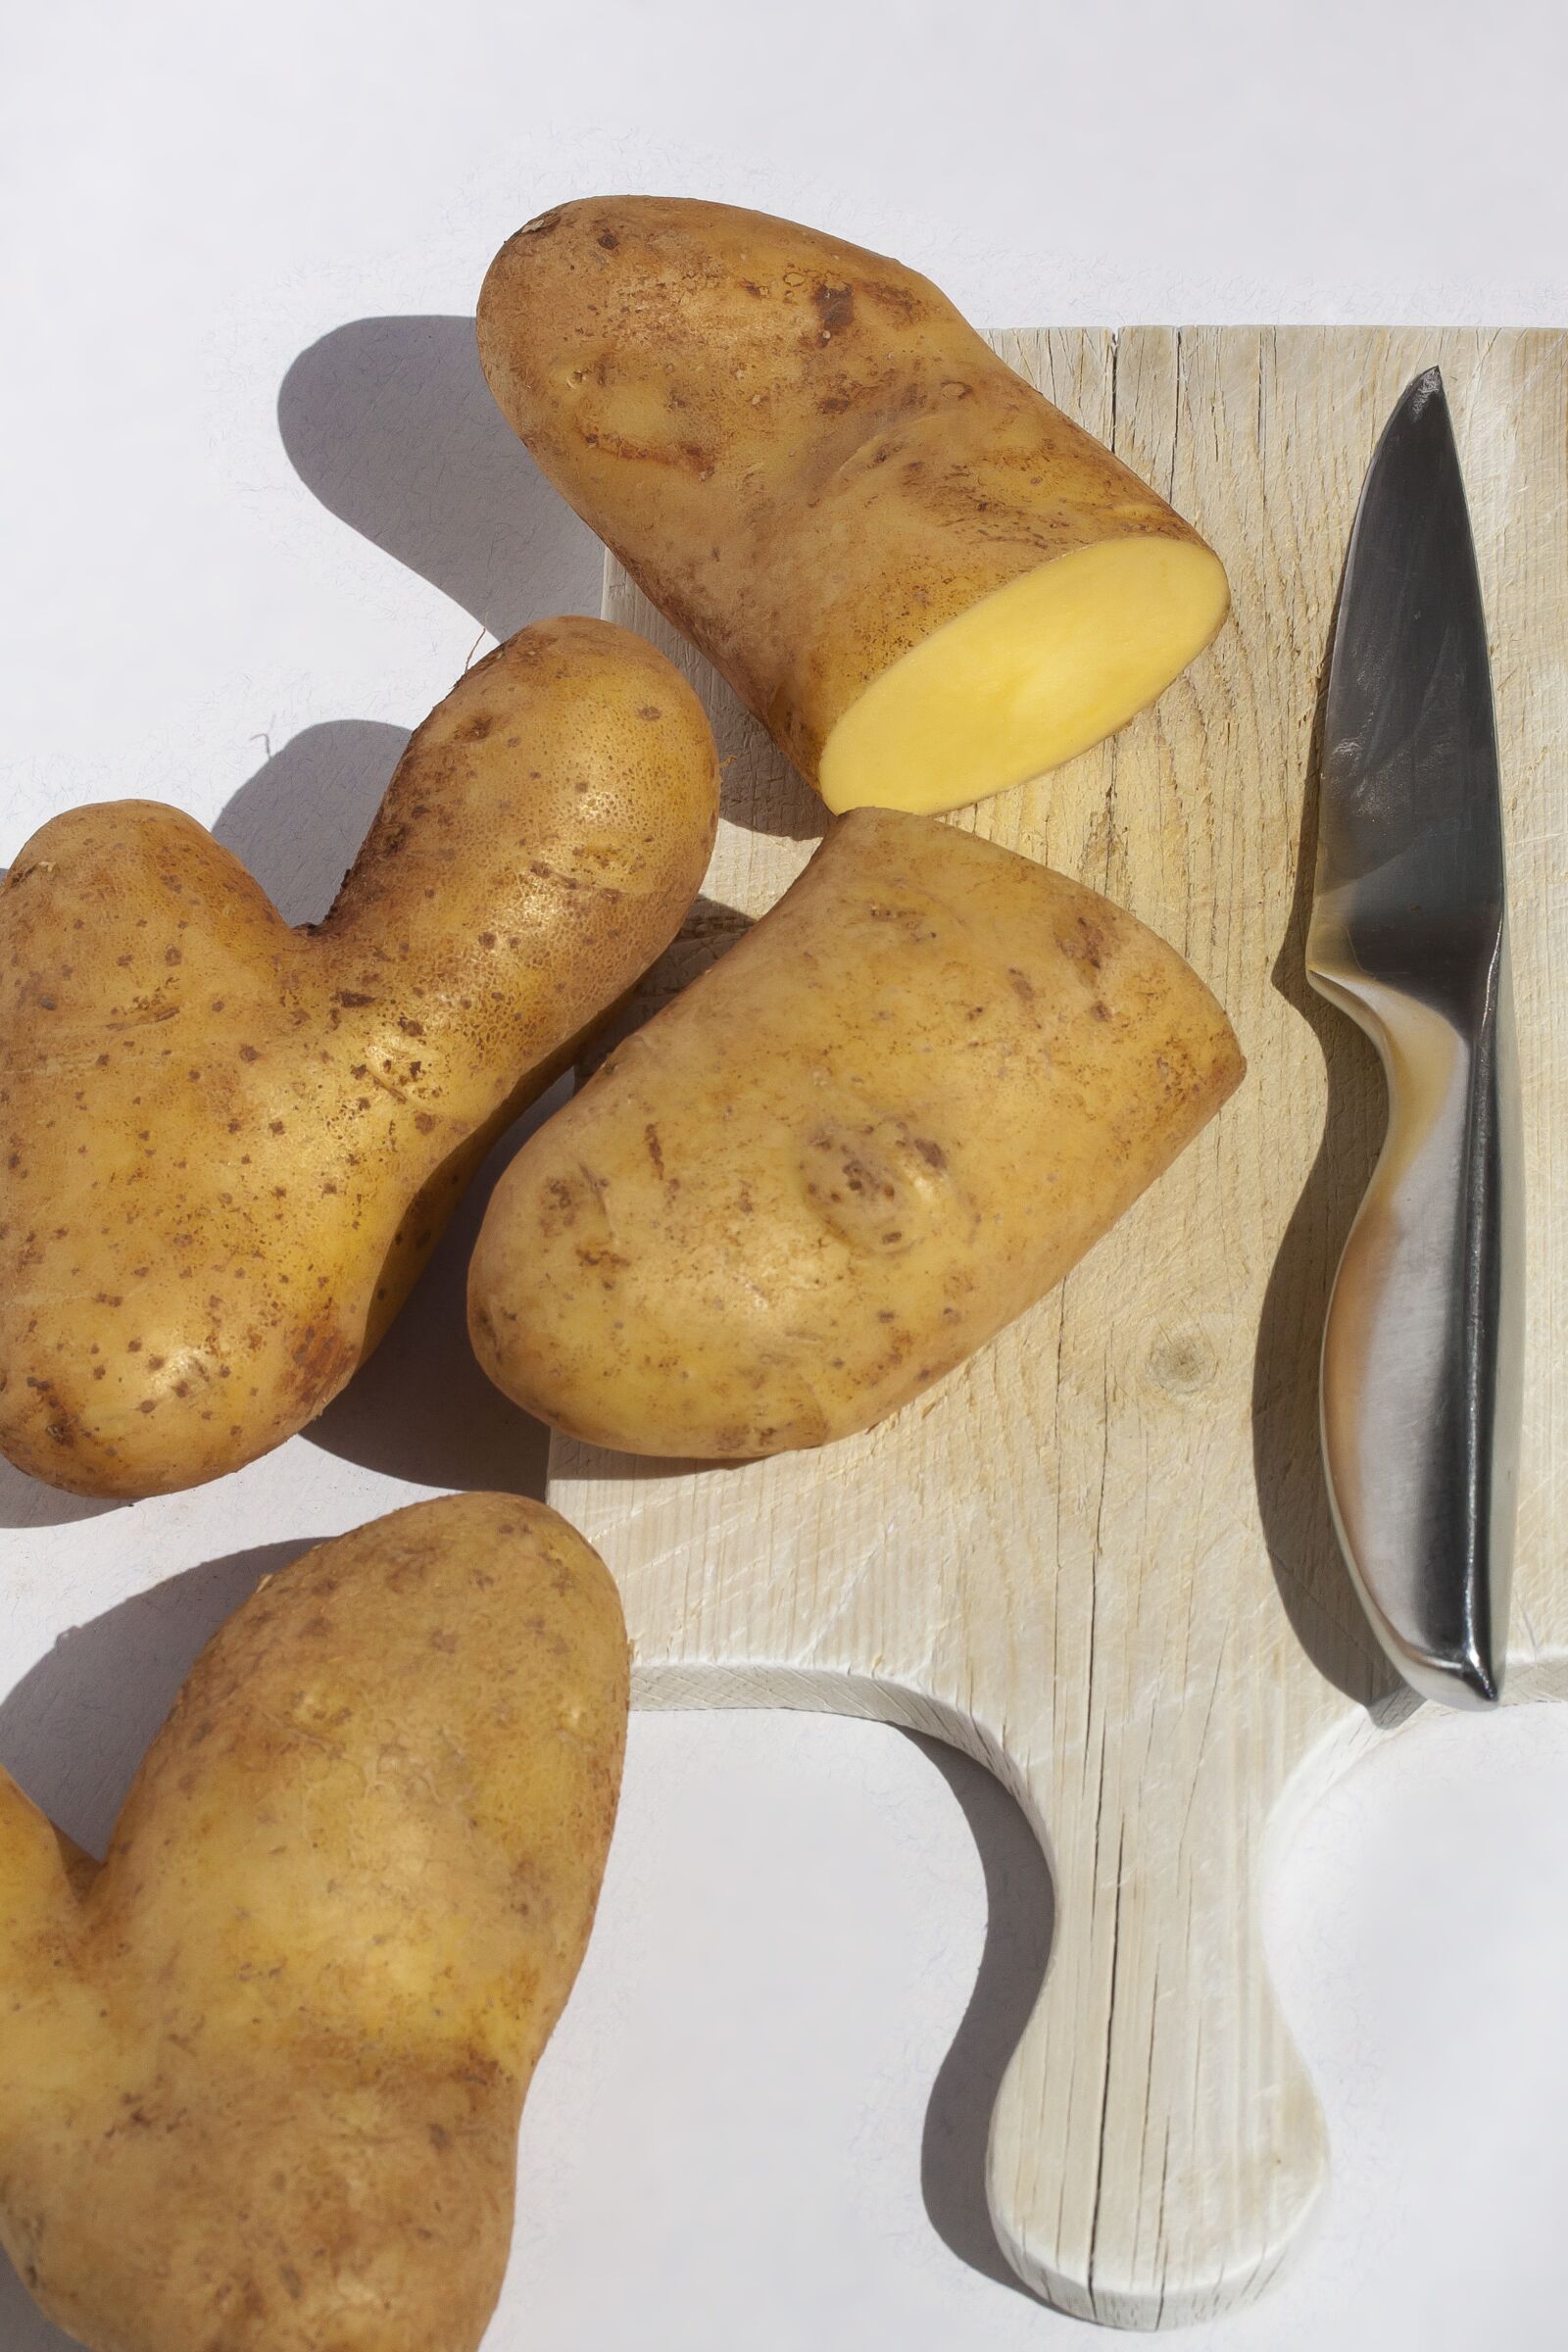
206,208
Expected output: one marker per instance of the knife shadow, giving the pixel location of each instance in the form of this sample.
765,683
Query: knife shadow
1314,1584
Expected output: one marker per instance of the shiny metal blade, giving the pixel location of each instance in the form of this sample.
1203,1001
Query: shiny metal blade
1421,1376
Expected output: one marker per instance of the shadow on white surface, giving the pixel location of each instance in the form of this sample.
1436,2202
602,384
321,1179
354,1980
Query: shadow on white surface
296,824
391,423
23,2325
1020,1912
28,1503
78,1723
392,426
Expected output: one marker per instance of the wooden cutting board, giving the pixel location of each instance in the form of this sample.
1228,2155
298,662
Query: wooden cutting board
1099,1556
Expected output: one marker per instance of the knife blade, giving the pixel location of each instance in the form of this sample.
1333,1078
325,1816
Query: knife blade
1421,1375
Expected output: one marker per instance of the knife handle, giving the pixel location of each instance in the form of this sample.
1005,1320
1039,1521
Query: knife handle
1421,1379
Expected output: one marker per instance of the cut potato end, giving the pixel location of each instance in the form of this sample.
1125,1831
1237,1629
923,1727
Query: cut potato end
1029,677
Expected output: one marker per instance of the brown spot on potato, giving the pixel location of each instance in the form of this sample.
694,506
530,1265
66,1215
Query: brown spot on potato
1085,942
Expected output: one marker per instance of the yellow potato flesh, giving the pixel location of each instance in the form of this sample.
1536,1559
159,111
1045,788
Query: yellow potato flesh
1029,677
261,2072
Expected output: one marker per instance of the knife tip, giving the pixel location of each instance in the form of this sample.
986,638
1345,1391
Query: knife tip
1468,1682
1482,1685
1420,390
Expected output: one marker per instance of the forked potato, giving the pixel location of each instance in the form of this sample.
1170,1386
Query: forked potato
226,1147
261,2074
889,1120
921,576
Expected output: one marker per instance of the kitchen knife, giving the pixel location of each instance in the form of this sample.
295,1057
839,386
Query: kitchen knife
1421,1367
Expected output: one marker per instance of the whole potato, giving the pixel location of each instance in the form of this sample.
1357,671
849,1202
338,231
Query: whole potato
890,1119
227,1147
921,576
261,2074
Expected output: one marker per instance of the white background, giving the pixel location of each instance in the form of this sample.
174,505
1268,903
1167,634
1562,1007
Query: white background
258,513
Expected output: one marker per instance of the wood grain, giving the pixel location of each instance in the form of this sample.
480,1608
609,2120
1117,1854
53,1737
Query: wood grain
1098,1557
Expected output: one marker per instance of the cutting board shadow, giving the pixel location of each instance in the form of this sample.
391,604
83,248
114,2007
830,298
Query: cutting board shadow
1098,1558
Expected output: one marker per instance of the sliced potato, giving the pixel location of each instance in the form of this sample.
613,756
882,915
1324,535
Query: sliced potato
921,576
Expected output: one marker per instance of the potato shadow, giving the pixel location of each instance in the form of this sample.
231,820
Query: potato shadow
759,791
706,935
74,1730
390,423
299,821
1314,1583
1020,1916
23,2325
78,1723
29,1503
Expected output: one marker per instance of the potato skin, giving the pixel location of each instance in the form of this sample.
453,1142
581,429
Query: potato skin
260,2082
799,449
890,1119
226,1147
